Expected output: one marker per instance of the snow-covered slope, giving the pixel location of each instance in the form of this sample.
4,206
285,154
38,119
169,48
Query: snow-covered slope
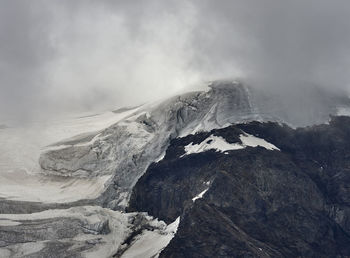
218,143
21,177
126,149
101,158
83,157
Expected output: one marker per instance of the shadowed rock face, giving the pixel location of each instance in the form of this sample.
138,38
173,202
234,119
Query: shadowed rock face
260,203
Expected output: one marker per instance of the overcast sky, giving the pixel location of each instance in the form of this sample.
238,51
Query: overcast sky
64,55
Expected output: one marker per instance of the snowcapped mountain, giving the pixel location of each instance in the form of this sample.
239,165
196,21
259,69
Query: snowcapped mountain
125,149
164,158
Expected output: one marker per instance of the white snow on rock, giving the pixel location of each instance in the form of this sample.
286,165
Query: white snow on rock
219,144
200,195
212,143
161,157
150,243
252,141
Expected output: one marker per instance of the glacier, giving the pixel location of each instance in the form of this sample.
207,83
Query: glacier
86,167
125,149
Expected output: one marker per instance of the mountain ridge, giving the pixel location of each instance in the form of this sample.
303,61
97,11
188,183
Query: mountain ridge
256,202
127,148
220,159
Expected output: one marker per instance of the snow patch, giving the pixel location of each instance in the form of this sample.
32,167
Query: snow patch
252,141
212,143
146,245
219,144
161,157
150,243
200,195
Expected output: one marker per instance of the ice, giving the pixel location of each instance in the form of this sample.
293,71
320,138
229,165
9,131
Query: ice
148,244
127,148
22,249
21,186
21,146
106,244
119,144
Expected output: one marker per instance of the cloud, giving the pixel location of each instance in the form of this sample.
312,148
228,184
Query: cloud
61,56
24,54
279,41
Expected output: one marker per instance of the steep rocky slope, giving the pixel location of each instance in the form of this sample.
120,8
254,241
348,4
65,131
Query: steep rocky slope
290,201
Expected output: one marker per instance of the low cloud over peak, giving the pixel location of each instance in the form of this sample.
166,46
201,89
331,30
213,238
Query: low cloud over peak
74,55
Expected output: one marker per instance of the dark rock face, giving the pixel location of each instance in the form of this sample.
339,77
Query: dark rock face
260,203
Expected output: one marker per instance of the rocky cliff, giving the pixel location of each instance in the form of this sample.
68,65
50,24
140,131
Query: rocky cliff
290,201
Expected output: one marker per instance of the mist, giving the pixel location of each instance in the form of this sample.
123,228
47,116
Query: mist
69,56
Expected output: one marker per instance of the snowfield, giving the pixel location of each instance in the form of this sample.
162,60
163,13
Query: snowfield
218,143
21,177
128,147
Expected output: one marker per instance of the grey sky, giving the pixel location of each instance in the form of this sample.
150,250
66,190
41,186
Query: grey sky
57,56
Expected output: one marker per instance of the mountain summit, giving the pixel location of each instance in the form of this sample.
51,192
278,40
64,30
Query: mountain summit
231,171
125,149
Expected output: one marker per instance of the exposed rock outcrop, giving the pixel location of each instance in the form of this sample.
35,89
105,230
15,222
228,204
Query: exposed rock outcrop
291,202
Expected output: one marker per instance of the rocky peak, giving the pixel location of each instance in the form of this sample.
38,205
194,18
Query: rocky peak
254,201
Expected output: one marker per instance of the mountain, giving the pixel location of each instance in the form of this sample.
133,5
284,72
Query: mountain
284,196
230,171
125,150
